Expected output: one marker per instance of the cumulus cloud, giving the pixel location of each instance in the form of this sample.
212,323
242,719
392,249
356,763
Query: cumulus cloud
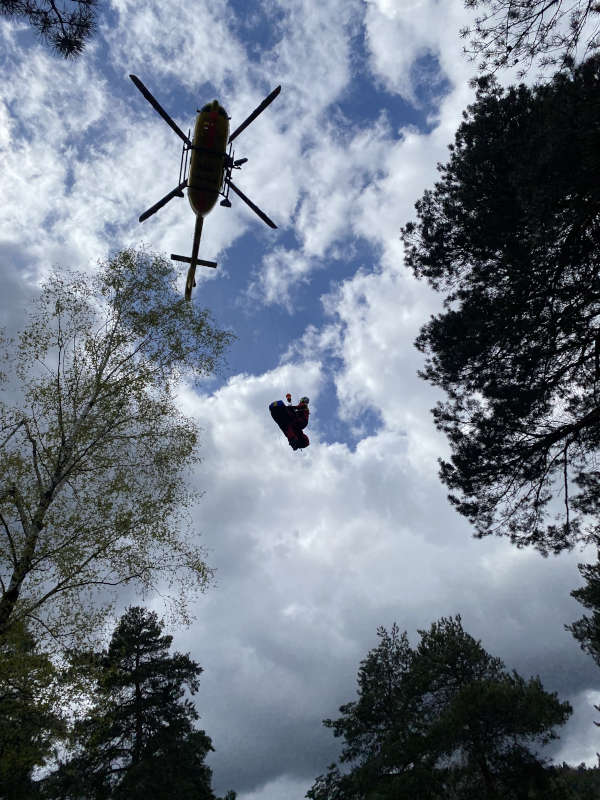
313,550
313,553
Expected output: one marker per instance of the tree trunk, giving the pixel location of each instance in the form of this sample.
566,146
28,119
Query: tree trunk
137,749
31,530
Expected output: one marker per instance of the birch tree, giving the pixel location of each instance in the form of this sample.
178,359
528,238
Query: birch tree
94,452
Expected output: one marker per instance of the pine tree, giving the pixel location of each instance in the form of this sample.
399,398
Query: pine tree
442,720
586,630
31,722
509,33
511,236
64,26
138,740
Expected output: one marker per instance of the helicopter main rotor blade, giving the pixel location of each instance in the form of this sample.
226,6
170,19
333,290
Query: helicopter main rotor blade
254,208
267,101
177,192
157,107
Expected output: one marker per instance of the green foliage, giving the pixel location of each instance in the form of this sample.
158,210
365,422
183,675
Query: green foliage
568,783
587,629
138,739
30,717
64,26
442,720
508,33
577,783
511,235
95,453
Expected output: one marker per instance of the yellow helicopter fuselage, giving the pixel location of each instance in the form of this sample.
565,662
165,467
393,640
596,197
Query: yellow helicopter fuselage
207,164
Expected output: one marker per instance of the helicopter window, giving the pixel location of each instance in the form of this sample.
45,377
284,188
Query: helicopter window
207,107
222,112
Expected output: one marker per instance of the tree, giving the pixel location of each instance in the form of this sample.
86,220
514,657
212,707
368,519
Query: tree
510,33
138,740
442,720
511,234
482,717
64,26
580,783
95,453
30,719
382,730
587,629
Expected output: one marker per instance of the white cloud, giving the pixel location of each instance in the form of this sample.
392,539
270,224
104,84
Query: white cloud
313,549
181,42
315,51
576,745
280,273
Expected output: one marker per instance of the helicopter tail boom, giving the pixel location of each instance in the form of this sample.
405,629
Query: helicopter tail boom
194,261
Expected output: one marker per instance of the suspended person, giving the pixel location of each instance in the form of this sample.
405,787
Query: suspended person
292,420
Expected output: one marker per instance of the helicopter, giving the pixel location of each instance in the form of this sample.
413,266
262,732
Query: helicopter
209,172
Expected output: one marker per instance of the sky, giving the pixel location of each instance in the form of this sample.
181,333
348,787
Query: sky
313,550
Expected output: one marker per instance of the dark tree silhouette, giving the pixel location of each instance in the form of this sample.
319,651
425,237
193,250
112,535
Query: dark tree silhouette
511,234
138,739
30,719
442,720
587,629
580,783
511,32
64,26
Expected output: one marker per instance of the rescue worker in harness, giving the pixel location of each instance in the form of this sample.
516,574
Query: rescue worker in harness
292,420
